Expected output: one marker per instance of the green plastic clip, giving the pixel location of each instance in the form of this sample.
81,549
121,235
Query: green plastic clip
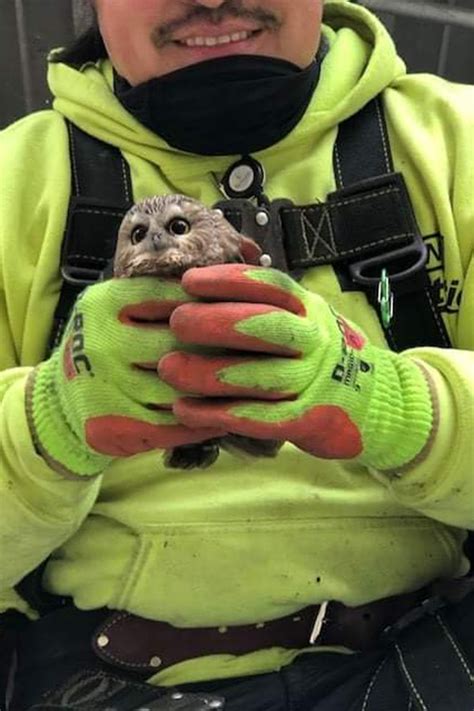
385,299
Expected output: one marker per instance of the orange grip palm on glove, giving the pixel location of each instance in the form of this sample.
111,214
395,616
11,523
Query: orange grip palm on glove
99,395
299,371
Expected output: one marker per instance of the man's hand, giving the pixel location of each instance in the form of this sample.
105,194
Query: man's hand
99,395
293,370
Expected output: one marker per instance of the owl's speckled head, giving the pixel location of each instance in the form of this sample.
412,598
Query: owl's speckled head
165,235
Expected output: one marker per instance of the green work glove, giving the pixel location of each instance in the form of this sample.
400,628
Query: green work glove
99,395
299,372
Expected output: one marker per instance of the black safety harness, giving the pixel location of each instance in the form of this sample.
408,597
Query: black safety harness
366,226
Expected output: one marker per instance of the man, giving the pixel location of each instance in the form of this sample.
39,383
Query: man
214,572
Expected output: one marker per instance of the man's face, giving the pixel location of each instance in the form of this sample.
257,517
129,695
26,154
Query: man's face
150,38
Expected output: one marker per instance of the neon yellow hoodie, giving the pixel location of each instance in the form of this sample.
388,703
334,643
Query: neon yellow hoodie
244,541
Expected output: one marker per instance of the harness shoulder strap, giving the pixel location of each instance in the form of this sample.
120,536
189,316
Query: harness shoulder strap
101,193
362,151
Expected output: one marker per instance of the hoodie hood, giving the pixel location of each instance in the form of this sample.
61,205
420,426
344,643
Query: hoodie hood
360,63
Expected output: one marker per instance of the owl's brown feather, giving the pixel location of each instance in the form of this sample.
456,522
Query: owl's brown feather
149,243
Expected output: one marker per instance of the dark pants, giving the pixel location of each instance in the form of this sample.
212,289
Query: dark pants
429,665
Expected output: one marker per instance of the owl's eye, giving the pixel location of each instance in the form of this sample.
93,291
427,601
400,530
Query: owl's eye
178,226
138,234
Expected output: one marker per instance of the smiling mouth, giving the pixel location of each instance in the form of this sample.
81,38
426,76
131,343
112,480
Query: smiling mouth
218,40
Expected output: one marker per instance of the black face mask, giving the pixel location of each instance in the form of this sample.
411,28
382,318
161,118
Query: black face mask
233,105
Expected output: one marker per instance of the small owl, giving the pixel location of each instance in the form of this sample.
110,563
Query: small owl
167,234
164,236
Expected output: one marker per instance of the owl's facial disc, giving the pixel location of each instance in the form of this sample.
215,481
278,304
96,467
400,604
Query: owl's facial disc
159,234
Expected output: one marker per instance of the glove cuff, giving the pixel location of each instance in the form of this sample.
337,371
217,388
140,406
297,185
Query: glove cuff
400,417
53,434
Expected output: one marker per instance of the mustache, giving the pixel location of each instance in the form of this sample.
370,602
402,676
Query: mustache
229,10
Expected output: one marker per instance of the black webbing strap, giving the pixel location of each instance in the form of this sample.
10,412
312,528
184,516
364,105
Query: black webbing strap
101,192
362,151
372,217
362,148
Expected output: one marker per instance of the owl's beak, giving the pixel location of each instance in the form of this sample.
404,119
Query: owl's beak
157,240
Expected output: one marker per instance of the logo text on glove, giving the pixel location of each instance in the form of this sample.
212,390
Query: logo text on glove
76,361
348,369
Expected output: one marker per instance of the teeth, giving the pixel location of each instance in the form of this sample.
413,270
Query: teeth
213,41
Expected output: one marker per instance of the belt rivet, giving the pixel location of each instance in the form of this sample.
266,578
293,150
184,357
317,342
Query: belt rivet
177,696
215,704
296,619
102,640
262,218
155,662
260,625
222,630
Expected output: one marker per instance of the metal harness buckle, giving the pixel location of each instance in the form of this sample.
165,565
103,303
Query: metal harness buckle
412,258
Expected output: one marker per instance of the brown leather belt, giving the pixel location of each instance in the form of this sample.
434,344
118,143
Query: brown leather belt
138,644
